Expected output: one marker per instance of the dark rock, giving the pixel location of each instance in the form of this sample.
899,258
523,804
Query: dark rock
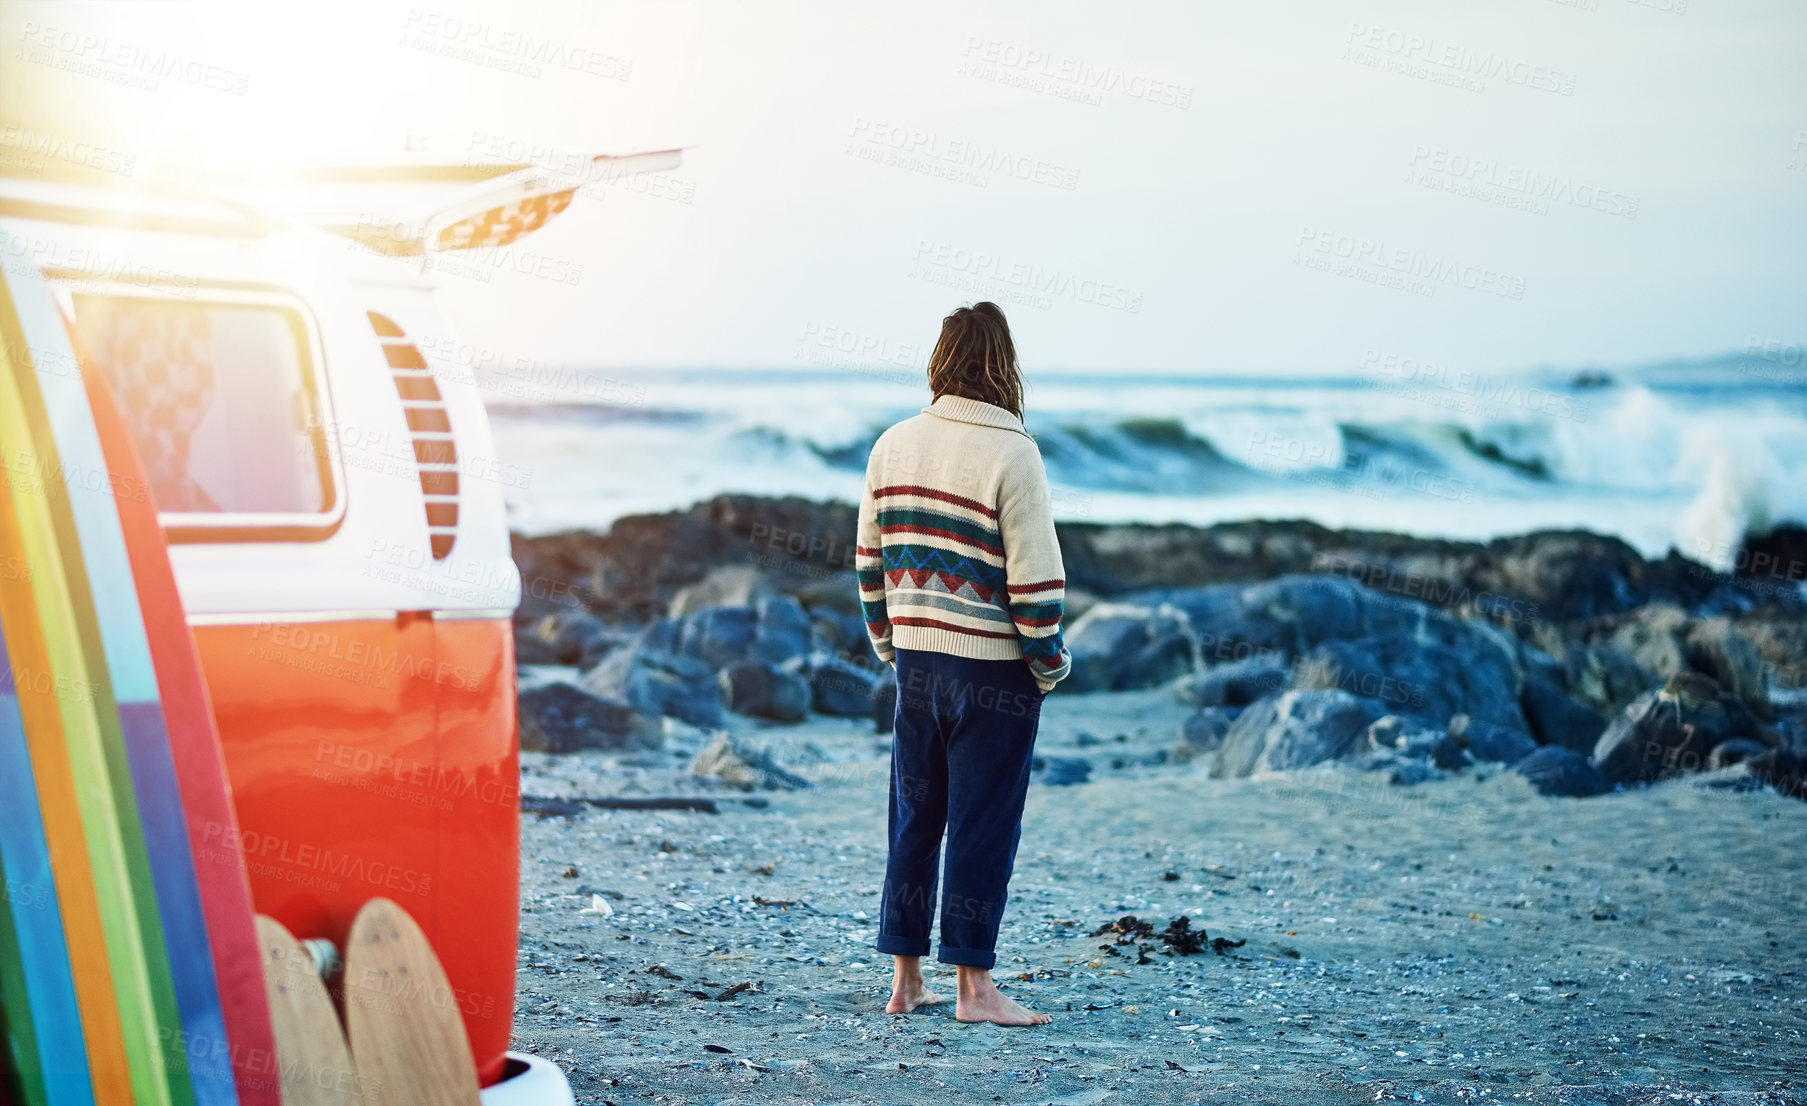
782,630
1783,769
1062,771
739,765
1410,773
1735,751
1117,647
772,631
764,691
1716,648
1651,636
1488,742
1295,729
1533,661
1777,558
717,636
724,586
839,688
1407,750
1604,678
1672,730
1556,717
658,681
841,631
801,547
1450,754
1293,615
633,572
1554,770
1662,640
1236,683
533,641
560,718
1203,732
1402,769
583,640
1412,676
884,701
1166,655
1406,735
1792,734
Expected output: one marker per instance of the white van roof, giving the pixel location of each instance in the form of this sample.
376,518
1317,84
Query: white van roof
372,328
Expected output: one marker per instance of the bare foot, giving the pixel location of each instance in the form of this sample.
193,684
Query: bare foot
981,1001
906,997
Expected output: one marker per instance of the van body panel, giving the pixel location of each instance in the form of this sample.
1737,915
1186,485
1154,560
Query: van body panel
378,757
361,673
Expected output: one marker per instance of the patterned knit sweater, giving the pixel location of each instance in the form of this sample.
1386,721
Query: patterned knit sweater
956,551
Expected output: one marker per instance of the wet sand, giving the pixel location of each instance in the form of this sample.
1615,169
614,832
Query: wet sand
1463,940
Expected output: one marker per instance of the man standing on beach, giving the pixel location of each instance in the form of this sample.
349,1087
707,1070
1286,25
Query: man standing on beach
961,586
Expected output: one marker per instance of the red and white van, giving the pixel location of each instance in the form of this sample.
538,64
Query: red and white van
334,508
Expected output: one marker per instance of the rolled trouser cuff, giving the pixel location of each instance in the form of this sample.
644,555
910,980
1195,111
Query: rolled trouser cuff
903,946
967,958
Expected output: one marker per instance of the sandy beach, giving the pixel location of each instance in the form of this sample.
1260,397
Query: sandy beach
1462,940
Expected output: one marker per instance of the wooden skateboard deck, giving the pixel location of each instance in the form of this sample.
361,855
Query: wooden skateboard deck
315,1065
407,1036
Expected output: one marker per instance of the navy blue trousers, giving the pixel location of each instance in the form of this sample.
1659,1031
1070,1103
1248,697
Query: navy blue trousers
960,758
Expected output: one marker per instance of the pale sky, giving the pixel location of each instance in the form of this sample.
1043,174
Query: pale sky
1274,187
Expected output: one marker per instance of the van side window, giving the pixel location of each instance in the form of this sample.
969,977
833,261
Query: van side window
220,398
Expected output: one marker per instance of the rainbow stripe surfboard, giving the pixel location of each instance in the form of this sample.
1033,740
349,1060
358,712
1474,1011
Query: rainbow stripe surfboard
126,961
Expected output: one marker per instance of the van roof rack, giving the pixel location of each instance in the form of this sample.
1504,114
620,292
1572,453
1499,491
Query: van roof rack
403,208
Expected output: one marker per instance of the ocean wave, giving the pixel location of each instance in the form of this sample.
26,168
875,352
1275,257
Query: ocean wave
1690,469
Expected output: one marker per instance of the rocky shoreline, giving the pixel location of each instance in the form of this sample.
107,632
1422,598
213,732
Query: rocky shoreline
1565,656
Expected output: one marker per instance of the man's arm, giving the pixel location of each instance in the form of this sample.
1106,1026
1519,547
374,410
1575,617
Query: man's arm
1032,569
869,567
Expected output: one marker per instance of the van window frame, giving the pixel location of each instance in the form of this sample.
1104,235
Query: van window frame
221,527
